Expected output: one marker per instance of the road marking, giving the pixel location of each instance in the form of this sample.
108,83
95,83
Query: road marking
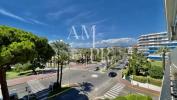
94,75
114,91
35,86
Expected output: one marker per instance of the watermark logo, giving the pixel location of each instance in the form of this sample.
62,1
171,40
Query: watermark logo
86,34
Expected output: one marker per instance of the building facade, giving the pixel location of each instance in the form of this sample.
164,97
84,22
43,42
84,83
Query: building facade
149,44
169,86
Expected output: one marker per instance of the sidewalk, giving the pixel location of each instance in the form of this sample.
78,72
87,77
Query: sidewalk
21,80
146,85
140,89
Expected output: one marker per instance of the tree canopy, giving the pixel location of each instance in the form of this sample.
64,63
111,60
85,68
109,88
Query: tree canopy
18,46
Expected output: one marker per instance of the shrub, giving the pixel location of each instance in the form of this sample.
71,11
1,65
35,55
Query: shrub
134,97
18,67
156,72
150,80
138,97
21,67
153,81
141,79
125,72
120,98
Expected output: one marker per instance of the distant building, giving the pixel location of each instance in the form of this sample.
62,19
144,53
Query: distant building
149,44
130,50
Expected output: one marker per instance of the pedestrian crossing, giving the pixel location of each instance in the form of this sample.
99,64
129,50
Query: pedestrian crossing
114,91
35,86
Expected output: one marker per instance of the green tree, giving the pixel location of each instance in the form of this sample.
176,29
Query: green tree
162,49
138,63
44,54
62,55
16,46
105,55
156,72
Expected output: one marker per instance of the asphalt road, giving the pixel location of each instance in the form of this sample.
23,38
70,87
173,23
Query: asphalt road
99,82
94,78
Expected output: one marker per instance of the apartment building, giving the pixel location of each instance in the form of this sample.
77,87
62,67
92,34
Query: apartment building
149,44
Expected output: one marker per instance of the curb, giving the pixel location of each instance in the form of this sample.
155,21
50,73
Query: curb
42,78
59,93
136,88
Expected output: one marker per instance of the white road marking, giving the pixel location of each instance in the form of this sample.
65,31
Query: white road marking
114,91
94,75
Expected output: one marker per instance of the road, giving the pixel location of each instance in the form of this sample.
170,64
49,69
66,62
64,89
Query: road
96,84
95,78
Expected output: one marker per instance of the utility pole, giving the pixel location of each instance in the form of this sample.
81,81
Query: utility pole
163,60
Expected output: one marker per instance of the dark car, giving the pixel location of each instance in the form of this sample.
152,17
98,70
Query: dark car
112,74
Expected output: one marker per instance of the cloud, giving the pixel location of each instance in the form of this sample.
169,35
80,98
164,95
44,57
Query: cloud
9,14
125,42
96,22
57,14
80,45
78,17
37,22
117,42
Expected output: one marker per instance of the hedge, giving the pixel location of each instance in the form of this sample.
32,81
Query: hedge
150,80
153,81
134,97
141,79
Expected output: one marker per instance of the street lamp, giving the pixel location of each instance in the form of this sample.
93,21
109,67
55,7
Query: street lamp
86,58
163,58
29,91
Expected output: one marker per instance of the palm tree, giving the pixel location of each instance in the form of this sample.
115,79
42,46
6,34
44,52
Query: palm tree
162,49
62,55
105,55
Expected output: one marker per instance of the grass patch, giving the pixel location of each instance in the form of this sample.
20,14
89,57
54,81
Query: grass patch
57,92
14,74
133,97
156,63
154,81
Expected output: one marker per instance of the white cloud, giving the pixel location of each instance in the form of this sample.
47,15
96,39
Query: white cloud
9,14
78,17
96,22
60,12
106,43
118,40
37,22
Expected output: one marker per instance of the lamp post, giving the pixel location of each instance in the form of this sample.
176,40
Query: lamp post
86,58
163,59
29,91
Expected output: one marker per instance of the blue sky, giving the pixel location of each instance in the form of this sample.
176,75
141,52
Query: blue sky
119,20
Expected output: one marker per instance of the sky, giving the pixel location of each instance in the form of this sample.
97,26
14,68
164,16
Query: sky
117,22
